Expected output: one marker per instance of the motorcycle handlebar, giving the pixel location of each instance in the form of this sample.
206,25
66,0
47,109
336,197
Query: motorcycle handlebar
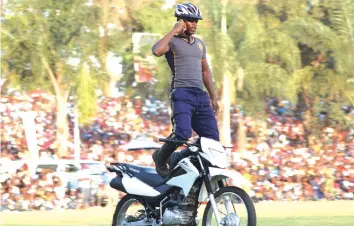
180,142
183,142
164,140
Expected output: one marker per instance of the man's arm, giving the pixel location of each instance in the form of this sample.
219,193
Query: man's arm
162,46
208,82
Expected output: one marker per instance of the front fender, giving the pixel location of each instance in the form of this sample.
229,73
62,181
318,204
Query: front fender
217,174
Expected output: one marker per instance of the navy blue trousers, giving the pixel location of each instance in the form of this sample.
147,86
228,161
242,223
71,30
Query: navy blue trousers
191,110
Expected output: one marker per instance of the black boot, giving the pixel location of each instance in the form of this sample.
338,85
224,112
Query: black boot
161,156
178,156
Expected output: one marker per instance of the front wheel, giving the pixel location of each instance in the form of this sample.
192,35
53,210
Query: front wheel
235,208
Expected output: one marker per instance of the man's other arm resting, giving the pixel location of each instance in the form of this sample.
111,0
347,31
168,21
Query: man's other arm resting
208,82
208,79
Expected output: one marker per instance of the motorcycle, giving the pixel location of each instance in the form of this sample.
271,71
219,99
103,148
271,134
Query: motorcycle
198,179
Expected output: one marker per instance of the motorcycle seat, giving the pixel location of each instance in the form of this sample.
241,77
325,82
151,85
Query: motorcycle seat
147,175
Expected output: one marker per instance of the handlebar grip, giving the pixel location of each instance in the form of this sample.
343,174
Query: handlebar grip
225,147
177,142
110,169
164,140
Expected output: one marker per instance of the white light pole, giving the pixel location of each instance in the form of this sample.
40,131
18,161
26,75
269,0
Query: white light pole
77,141
226,131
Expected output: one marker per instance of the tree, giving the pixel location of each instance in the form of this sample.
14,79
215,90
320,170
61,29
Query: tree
298,50
110,38
224,64
275,42
141,16
322,33
52,45
323,82
257,59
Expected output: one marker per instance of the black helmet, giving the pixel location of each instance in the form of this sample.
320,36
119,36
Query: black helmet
187,10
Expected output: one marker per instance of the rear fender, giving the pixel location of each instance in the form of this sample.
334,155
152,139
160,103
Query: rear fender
116,183
217,174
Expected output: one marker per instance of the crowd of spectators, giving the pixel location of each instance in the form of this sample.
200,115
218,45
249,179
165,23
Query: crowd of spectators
118,121
281,166
277,158
47,191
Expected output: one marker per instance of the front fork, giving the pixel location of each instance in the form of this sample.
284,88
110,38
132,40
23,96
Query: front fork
210,192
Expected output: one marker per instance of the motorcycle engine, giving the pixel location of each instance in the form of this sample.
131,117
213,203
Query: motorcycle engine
182,210
176,216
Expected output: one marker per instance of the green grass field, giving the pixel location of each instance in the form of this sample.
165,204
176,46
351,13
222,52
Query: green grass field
318,213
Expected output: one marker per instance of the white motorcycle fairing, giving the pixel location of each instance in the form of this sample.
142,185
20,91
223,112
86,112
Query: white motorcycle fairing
214,152
135,186
187,180
217,174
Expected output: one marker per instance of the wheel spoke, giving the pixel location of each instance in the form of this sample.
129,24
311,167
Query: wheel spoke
233,205
222,212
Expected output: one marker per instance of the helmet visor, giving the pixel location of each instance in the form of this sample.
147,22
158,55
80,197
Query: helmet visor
189,19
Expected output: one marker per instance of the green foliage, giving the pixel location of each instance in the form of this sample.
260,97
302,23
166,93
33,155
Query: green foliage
310,32
287,49
264,79
164,75
147,17
283,10
86,88
218,44
341,14
153,19
341,17
315,58
273,47
56,32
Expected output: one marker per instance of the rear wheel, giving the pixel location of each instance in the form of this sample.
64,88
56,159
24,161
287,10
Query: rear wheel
235,208
130,212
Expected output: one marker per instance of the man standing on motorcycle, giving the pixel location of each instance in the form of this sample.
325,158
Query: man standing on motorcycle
192,108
